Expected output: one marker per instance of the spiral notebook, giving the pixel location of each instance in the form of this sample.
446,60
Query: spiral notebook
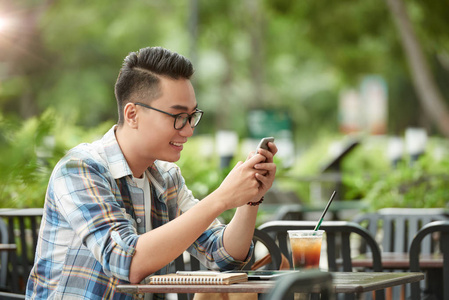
199,277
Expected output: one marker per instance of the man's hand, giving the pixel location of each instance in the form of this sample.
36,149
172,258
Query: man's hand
239,232
266,170
248,181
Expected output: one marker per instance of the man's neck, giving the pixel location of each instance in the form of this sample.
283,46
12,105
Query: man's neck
125,140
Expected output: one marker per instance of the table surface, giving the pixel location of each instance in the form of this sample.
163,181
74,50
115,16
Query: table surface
344,282
393,260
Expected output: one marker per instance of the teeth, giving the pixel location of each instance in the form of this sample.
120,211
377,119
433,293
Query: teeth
176,144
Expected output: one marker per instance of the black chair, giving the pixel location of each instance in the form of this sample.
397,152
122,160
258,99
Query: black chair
415,249
259,238
3,255
304,282
338,241
395,229
8,273
26,222
398,226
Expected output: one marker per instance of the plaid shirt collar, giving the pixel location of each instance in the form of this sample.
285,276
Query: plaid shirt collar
119,166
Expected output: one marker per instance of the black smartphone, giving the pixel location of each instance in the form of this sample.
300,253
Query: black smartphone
262,274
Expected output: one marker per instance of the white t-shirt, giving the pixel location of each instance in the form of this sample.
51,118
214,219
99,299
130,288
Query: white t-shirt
144,184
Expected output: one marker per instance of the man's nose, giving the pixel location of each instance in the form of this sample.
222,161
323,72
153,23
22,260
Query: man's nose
187,130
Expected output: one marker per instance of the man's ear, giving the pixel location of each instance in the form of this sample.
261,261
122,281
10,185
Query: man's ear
130,115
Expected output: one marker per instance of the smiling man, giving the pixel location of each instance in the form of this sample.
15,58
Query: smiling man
118,210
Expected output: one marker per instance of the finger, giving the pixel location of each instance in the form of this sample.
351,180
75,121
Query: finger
264,181
271,167
266,176
257,158
262,172
273,148
267,154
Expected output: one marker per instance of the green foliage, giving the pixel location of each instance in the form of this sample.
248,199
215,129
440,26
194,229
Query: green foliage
282,54
29,150
292,55
28,153
308,166
200,170
368,175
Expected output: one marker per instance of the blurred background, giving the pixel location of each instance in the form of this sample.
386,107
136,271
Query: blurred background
355,92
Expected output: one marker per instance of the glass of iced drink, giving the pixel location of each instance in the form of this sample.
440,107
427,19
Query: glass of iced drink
306,248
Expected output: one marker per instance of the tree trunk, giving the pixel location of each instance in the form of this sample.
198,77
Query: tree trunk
430,97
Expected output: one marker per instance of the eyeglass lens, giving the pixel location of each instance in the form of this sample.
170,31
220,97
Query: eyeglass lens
182,119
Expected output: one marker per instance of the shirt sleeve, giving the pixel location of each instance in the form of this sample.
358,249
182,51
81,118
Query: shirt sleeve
86,197
210,251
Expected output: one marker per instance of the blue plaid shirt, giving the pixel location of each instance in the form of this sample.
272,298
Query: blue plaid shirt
93,216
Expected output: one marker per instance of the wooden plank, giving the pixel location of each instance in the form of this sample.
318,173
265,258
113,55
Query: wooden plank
393,260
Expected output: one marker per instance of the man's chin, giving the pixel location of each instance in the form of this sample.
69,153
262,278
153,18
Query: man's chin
172,158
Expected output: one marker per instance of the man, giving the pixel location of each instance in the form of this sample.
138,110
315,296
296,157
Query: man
118,210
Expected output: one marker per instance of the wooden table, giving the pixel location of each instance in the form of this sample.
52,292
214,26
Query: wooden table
344,282
431,264
399,261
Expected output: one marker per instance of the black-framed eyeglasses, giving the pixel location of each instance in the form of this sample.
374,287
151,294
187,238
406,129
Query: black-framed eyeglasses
181,118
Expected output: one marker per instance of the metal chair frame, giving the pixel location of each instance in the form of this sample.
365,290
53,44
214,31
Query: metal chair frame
337,233
4,239
400,225
9,281
415,250
396,228
259,237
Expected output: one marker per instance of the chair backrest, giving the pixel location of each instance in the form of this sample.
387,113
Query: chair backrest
338,241
304,282
337,233
398,226
415,250
3,255
26,222
259,238
262,238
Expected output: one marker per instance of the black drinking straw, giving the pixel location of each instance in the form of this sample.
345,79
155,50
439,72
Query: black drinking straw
324,212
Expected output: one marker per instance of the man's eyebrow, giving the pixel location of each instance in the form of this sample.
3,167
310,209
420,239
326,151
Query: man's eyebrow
182,107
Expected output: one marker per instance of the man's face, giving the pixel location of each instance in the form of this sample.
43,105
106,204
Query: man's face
158,138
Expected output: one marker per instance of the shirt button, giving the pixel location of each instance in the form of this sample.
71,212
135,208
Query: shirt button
139,220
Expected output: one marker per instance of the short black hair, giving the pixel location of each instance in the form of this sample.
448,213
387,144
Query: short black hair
141,71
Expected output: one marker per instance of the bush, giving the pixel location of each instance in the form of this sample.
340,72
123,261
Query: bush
409,184
368,175
29,151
